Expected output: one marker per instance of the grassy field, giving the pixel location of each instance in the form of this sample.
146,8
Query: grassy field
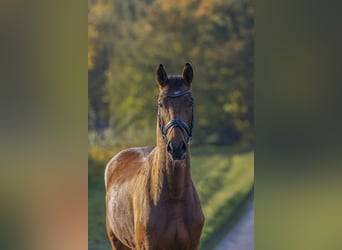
223,177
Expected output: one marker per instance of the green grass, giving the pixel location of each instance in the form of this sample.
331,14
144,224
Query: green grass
223,177
97,238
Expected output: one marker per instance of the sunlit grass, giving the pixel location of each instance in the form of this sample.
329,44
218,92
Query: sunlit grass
223,178
223,181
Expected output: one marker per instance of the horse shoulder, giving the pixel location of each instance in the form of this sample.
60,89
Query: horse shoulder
196,209
125,164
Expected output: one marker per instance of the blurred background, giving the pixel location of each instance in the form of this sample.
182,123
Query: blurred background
45,189
127,39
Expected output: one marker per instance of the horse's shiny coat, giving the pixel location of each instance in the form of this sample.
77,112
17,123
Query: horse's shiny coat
151,201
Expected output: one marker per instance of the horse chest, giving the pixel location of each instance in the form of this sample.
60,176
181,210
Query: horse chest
170,234
171,227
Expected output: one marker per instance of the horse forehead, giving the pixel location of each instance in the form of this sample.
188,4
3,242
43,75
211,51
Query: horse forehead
175,83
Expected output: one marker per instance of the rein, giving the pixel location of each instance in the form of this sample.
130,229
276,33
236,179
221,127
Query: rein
186,129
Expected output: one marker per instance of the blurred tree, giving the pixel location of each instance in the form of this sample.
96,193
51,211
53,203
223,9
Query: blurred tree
98,112
215,36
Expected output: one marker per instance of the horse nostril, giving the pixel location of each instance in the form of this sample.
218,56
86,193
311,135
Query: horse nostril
183,147
169,147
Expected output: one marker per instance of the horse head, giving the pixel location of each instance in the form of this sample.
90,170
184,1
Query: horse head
175,110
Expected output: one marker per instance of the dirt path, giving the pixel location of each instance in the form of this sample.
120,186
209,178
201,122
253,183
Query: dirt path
241,237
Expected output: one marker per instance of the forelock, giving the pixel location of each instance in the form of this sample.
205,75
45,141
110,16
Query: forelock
175,83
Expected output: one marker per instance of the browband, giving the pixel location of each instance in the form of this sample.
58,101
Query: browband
175,94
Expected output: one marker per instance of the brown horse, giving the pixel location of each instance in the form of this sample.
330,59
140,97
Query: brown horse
151,201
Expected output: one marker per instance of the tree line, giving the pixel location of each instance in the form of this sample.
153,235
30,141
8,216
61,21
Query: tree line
127,39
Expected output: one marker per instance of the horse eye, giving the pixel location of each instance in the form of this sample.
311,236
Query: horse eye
160,105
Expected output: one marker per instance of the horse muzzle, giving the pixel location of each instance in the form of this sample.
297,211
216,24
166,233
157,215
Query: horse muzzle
178,151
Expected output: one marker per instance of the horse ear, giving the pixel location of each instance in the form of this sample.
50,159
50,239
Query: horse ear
161,76
188,74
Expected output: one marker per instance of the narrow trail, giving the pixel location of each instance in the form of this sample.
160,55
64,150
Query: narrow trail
241,237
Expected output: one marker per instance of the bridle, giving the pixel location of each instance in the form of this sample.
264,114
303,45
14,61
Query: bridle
186,128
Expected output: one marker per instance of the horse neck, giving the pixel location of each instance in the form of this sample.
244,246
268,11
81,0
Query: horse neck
170,179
